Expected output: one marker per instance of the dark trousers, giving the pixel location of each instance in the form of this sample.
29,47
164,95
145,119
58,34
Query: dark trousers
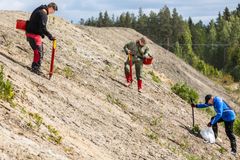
37,47
229,132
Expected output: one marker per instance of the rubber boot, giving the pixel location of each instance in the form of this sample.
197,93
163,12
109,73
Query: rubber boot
139,85
129,80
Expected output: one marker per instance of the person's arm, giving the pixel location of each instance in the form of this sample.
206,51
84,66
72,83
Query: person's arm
202,105
146,52
43,25
219,110
126,48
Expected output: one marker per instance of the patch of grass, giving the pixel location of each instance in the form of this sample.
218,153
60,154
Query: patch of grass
23,110
193,157
185,92
68,149
184,146
6,88
38,120
222,150
151,134
68,72
155,78
236,127
54,135
196,129
155,121
116,101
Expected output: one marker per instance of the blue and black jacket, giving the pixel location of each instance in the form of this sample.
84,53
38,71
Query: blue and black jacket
222,109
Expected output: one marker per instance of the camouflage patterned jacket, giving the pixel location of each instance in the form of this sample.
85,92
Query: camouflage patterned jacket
136,49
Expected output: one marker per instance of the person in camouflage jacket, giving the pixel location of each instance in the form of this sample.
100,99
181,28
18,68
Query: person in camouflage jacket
138,51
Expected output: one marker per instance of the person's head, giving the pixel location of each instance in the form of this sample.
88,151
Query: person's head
142,41
52,7
209,99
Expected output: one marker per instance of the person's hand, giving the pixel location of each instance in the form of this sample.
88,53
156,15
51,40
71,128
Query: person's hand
209,124
193,105
52,38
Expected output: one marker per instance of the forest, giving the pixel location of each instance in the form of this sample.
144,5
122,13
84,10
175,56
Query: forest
213,49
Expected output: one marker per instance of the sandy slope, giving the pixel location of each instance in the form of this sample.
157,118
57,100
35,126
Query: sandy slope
97,116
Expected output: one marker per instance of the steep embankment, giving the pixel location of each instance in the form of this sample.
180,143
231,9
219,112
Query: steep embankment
86,101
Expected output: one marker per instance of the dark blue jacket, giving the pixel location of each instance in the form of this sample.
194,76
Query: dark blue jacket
222,109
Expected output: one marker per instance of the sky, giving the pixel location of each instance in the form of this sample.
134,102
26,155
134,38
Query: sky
204,10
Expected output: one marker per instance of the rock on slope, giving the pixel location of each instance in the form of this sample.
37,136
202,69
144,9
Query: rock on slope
86,101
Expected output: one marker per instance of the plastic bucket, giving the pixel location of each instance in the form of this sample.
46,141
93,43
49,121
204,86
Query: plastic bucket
21,24
147,60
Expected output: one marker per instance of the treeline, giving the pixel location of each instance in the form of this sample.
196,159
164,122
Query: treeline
210,48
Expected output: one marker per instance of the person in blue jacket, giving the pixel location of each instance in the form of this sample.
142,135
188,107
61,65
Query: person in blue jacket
224,113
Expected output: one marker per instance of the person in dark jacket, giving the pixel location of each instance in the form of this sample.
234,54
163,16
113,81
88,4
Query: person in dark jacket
36,30
224,114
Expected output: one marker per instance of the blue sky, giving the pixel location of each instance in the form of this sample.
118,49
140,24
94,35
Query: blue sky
204,10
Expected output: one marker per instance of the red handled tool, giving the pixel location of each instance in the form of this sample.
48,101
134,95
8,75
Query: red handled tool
52,60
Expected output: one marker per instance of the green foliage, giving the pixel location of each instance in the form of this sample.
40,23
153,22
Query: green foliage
155,121
38,120
212,49
236,127
116,101
152,135
193,157
236,72
155,78
54,135
222,150
196,129
6,88
68,72
185,92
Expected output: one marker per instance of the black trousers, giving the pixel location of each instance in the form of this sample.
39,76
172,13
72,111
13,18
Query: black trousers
228,130
38,53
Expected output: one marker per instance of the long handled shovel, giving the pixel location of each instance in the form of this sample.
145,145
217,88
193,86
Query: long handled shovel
52,61
130,63
193,119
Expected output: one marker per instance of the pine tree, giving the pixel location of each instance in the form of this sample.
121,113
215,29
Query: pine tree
198,32
106,20
100,20
211,48
128,20
153,26
134,21
186,42
177,26
165,29
226,14
142,22
122,20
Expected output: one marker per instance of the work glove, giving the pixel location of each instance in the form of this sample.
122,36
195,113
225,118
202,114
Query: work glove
209,124
193,105
128,52
52,38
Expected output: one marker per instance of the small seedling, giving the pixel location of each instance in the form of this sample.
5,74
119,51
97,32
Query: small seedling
155,78
54,135
196,129
68,72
